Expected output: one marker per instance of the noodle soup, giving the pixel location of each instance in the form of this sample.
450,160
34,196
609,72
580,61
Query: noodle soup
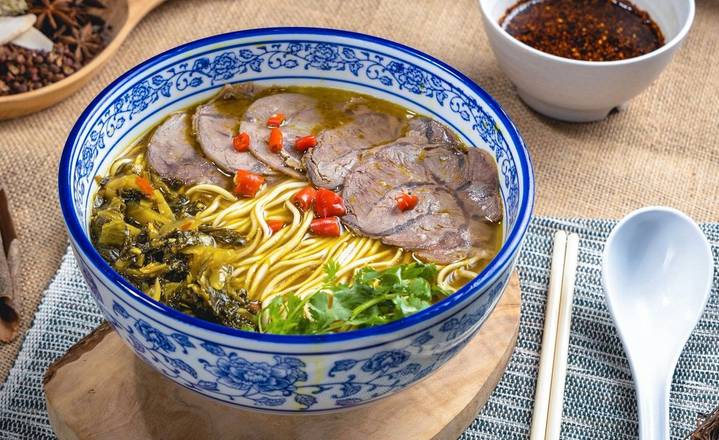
298,211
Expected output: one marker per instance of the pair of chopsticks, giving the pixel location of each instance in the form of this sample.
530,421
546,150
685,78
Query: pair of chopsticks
549,396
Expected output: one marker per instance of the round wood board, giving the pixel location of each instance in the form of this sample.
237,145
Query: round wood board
100,390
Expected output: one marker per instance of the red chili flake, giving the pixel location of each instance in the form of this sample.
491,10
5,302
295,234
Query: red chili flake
596,30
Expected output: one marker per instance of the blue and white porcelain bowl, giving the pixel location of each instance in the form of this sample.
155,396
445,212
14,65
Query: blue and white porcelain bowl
291,374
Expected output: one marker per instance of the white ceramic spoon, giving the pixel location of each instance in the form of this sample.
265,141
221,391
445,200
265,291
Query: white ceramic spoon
657,273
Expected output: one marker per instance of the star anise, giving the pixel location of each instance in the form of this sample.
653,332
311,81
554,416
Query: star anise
83,42
52,15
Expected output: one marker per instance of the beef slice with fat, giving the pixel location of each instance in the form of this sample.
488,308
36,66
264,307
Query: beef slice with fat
458,192
338,148
215,128
172,153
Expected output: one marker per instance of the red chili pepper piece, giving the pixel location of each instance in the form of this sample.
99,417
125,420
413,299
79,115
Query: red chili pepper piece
276,120
241,142
247,184
145,186
305,198
274,143
329,203
304,143
405,201
326,227
275,225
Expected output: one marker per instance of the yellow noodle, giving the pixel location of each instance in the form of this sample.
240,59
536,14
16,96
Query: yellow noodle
237,209
256,273
318,272
317,277
118,164
394,261
266,293
278,238
289,281
464,273
445,275
204,216
304,249
362,262
205,188
317,256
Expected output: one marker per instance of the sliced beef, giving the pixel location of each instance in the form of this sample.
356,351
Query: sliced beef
240,91
301,118
479,196
172,153
215,128
337,149
428,130
458,195
435,229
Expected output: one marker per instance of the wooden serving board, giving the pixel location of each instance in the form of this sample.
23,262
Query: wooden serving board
100,390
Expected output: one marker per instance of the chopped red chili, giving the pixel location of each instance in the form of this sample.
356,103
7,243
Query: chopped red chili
305,198
275,225
247,184
305,143
241,142
329,203
145,186
326,227
406,202
275,120
275,142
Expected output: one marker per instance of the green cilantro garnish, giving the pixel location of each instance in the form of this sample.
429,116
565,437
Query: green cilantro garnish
372,298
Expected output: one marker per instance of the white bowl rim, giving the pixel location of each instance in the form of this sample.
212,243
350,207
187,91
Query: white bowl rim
497,266
666,47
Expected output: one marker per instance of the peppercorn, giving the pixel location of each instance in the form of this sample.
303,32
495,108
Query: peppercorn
23,70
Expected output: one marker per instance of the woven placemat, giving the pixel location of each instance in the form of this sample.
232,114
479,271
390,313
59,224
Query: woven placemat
661,150
599,395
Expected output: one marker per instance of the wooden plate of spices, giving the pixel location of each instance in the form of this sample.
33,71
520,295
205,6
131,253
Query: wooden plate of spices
84,35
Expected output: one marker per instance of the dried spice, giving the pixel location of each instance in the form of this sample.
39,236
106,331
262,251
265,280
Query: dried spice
53,16
23,70
91,11
590,30
85,43
77,27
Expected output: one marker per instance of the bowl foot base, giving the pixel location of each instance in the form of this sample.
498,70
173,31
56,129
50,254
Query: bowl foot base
563,113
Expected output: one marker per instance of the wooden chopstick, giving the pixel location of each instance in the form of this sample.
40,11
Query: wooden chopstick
561,349
549,337
549,395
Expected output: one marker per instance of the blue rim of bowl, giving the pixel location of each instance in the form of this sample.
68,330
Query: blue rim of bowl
494,268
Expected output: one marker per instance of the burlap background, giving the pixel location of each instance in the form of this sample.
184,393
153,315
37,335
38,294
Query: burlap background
661,150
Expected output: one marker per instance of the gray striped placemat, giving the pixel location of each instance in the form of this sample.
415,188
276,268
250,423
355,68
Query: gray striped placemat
599,396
